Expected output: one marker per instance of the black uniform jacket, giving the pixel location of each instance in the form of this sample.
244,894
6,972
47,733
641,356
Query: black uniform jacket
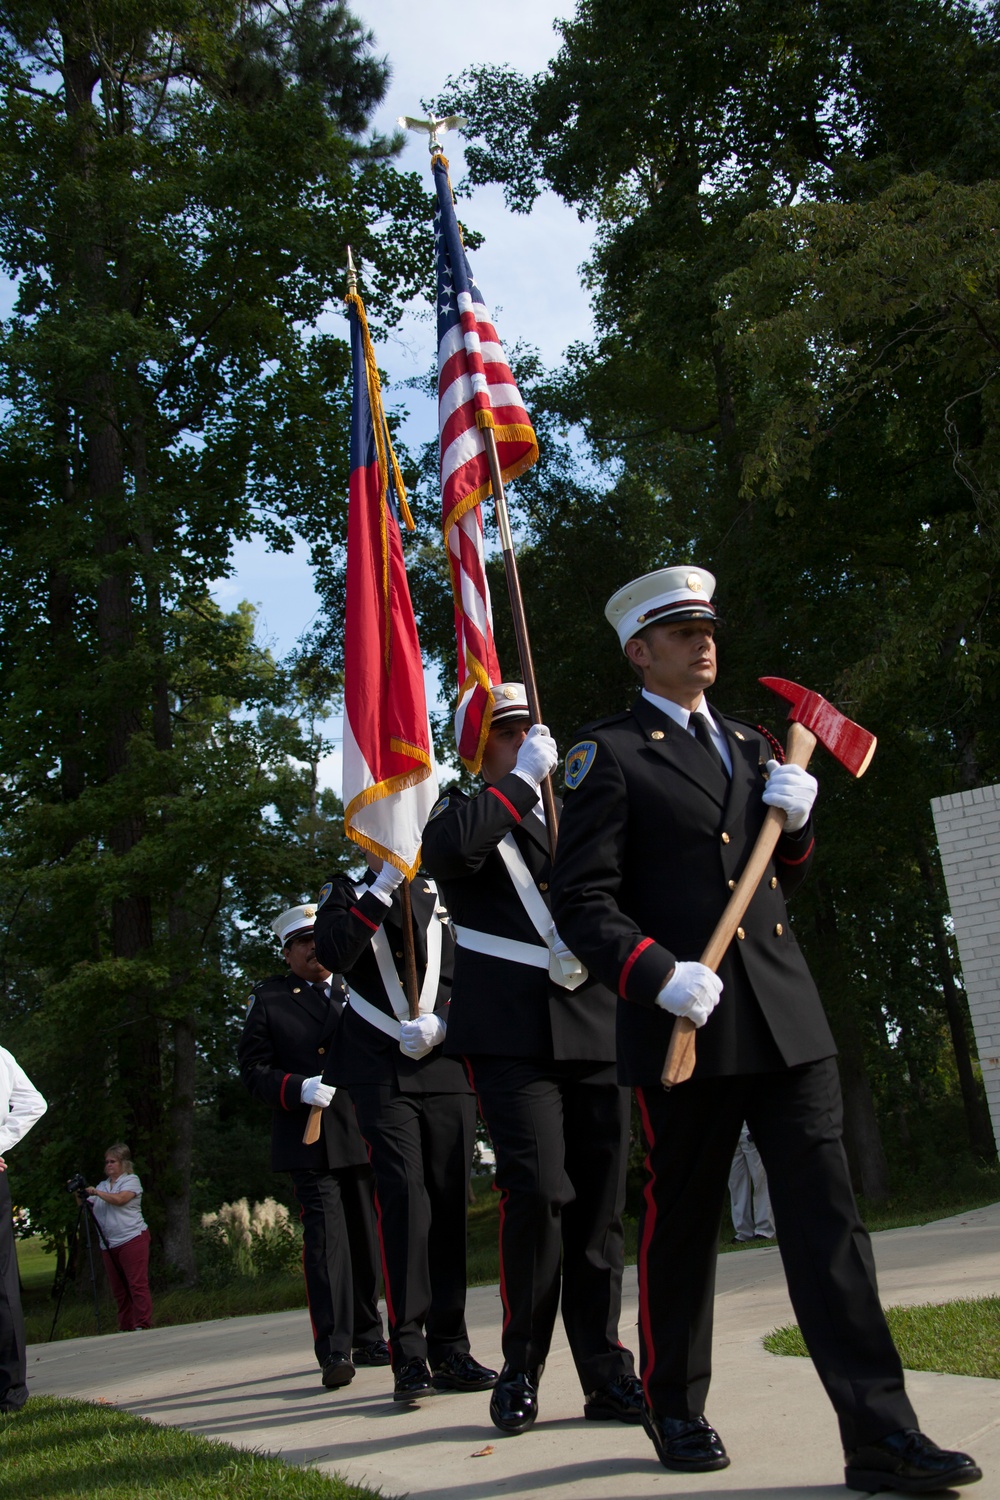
363,1054
287,1036
500,1007
652,838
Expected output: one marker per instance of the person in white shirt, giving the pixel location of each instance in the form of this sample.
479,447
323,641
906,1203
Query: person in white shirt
20,1106
116,1203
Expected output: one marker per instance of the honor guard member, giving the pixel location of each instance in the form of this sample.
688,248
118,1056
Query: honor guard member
537,1036
289,1029
663,805
417,1114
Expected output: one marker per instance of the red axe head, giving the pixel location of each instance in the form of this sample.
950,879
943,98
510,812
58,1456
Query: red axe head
845,740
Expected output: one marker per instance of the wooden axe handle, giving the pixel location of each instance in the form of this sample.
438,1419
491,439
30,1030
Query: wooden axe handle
679,1064
312,1129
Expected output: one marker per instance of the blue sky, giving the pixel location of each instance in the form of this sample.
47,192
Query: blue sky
527,268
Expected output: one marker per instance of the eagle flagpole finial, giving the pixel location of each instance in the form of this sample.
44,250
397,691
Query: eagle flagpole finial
434,126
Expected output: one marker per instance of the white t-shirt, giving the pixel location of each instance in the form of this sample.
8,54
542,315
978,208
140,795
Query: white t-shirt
20,1102
120,1224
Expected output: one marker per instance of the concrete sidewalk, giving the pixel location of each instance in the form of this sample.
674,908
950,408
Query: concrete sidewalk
252,1382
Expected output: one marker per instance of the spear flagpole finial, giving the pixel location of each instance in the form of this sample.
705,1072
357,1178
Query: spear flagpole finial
434,126
352,274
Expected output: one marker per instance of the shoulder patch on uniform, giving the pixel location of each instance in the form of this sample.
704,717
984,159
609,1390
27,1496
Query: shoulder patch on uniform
250,1000
579,761
324,892
439,807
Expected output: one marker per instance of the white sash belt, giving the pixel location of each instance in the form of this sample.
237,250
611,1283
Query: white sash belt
390,979
567,971
494,946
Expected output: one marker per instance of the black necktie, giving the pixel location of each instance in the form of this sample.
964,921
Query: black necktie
703,735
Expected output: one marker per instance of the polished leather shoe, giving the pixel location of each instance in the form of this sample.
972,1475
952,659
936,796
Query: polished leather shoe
412,1381
514,1403
688,1445
909,1462
460,1372
337,1371
375,1353
618,1401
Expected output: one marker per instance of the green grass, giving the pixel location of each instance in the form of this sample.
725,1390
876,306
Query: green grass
56,1448
952,1338
37,1266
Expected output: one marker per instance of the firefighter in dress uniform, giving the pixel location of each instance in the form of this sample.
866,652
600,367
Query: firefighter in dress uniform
416,1112
663,806
537,1036
290,1026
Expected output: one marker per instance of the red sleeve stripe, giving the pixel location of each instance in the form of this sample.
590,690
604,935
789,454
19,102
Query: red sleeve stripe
802,857
361,917
281,1096
627,966
508,805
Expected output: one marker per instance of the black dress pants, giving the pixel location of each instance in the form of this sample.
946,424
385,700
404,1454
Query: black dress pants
339,1257
560,1133
795,1117
13,1390
421,1148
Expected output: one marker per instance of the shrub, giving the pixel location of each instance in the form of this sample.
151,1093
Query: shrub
243,1243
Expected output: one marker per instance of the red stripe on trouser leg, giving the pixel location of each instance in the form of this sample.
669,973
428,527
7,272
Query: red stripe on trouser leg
389,1309
305,1278
504,1195
648,1349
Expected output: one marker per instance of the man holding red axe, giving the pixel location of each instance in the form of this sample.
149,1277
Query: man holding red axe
671,809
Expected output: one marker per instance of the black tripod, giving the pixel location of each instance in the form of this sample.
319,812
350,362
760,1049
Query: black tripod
85,1217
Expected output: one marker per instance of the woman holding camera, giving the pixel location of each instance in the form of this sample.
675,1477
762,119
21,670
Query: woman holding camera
125,1238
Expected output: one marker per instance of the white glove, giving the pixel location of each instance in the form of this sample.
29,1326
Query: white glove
793,789
315,1091
416,1038
692,991
385,883
538,756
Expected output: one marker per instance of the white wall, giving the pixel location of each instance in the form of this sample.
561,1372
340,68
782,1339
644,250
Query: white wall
968,831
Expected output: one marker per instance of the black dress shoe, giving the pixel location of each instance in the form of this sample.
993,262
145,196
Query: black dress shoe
514,1403
460,1372
375,1353
337,1371
907,1461
618,1401
412,1381
688,1445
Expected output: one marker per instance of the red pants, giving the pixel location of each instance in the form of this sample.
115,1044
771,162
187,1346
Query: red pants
128,1275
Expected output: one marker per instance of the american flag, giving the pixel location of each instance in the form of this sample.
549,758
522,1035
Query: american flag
475,390
390,784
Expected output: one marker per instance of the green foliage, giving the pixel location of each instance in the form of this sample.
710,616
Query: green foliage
240,1242
179,188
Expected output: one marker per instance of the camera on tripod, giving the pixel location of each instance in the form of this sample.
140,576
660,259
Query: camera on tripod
77,1183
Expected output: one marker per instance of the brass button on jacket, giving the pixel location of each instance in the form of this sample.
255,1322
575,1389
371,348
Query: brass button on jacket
725,838
774,882
543,885
740,933
321,1050
732,885
778,930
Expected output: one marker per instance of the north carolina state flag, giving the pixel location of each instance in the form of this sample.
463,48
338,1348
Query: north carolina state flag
390,783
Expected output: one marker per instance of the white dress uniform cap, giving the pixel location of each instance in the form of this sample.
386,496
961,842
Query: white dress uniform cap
510,701
296,919
669,594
